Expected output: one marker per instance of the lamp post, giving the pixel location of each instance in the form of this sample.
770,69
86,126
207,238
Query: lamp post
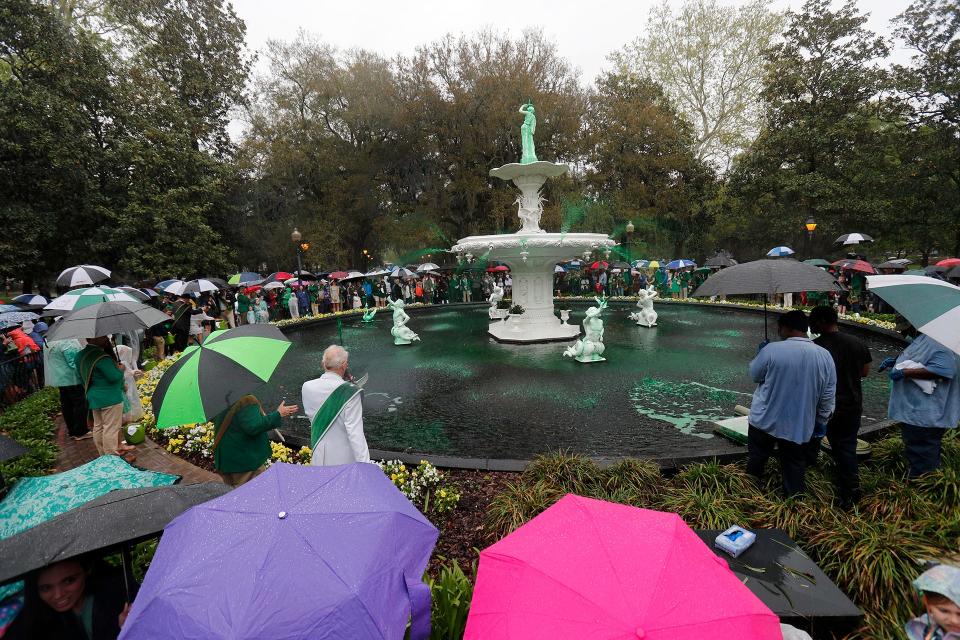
296,237
629,275
811,226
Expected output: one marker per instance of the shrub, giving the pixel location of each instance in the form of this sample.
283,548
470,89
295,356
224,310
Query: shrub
451,592
30,422
709,495
519,502
635,482
565,473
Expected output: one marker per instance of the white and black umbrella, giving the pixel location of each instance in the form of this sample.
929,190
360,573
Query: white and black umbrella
31,300
84,274
179,287
104,319
137,294
305,275
852,238
767,277
273,285
401,272
427,266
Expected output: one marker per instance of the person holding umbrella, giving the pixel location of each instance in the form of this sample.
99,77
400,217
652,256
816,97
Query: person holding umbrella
102,376
924,398
180,326
60,371
241,446
793,402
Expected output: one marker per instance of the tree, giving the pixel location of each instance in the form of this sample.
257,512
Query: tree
708,58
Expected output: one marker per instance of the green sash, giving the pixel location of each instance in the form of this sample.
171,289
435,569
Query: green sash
331,408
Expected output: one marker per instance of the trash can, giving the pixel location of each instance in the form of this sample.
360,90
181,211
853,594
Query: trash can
134,433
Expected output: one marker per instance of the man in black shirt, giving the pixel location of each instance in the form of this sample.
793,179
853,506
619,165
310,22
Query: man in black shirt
852,359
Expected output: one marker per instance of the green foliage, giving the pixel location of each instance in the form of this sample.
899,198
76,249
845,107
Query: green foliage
517,310
30,422
451,591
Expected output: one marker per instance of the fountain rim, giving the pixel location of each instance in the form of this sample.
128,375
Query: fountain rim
666,463
569,242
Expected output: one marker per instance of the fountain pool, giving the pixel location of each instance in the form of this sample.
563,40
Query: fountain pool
461,393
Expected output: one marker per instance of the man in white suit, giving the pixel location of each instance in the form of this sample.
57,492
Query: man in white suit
334,407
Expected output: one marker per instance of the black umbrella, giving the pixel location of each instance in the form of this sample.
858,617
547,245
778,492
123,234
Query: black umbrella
892,264
10,448
953,273
104,319
220,282
720,260
767,277
121,517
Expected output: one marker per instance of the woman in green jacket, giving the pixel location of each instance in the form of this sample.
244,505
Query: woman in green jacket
102,377
241,445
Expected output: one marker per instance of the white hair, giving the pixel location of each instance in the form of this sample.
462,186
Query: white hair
334,357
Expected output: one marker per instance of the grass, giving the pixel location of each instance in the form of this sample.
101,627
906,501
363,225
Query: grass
872,553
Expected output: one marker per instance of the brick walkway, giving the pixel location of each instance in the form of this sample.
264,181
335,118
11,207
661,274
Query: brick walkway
150,456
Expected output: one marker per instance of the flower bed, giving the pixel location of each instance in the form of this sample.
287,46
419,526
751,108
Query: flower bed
425,486
30,422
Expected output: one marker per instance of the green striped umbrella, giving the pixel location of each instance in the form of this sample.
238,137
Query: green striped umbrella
209,378
931,305
80,298
244,277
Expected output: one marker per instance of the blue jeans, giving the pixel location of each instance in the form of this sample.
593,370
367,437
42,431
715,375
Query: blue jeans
921,446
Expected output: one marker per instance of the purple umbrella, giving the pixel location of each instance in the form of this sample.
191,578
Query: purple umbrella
299,552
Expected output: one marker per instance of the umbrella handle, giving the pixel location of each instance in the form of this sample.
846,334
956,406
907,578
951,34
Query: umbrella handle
127,564
765,335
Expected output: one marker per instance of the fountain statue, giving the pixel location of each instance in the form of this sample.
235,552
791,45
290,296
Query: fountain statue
532,253
400,332
590,347
368,314
494,299
646,317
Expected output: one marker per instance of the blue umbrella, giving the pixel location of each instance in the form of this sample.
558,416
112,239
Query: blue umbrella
31,300
641,264
16,318
680,264
298,552
780,252
163,284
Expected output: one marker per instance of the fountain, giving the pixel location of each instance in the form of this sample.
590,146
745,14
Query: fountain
532,253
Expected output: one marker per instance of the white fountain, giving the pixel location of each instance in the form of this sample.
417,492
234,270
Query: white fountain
531,253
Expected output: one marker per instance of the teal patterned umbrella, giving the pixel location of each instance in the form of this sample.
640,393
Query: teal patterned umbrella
37,499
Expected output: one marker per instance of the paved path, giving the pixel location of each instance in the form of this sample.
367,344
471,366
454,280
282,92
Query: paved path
150,455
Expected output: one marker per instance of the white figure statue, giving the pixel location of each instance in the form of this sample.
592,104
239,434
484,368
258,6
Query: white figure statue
590,348
530,209
495,297
646,317
400,332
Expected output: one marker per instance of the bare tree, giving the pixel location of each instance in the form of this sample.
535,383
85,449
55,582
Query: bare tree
708,57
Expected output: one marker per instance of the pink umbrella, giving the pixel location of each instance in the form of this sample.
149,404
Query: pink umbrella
587,568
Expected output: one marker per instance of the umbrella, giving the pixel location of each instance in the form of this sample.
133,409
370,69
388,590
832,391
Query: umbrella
854,265
10,449
210,377
220,282
298,552
85,274
427,266
398,272
16,318
163,284
680,264
559,269
641,264
105,319
244,277
574,264
931,305
852,238
654,264
179,288
150,292
892,264
720,260
935,268
953,273
779,252
31,300
620,265
80,298
500,268
253,289
273,285
949,262
337,275
380,272
353,275
817,262
914,272
767,277
600,264
137,294
304,275
120,516
10,308
278,276
586,568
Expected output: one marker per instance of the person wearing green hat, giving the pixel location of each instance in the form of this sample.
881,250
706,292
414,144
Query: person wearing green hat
939,587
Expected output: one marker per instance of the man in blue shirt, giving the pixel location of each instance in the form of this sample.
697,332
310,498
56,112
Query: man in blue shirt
794,400
924,417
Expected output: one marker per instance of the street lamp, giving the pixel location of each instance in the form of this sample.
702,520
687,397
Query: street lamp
811,226
629,275
296,237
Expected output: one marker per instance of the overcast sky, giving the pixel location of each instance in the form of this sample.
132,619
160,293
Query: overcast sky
585,31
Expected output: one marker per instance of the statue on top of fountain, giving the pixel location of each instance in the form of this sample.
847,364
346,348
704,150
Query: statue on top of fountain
590,347
527,129
646,317
400,332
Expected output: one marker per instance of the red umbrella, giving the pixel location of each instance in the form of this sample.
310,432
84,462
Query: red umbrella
949,262
279,276
855,265
600,265
338,275
252,289
499,267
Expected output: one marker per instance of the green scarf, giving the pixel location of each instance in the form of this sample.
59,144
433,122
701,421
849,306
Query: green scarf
331,408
